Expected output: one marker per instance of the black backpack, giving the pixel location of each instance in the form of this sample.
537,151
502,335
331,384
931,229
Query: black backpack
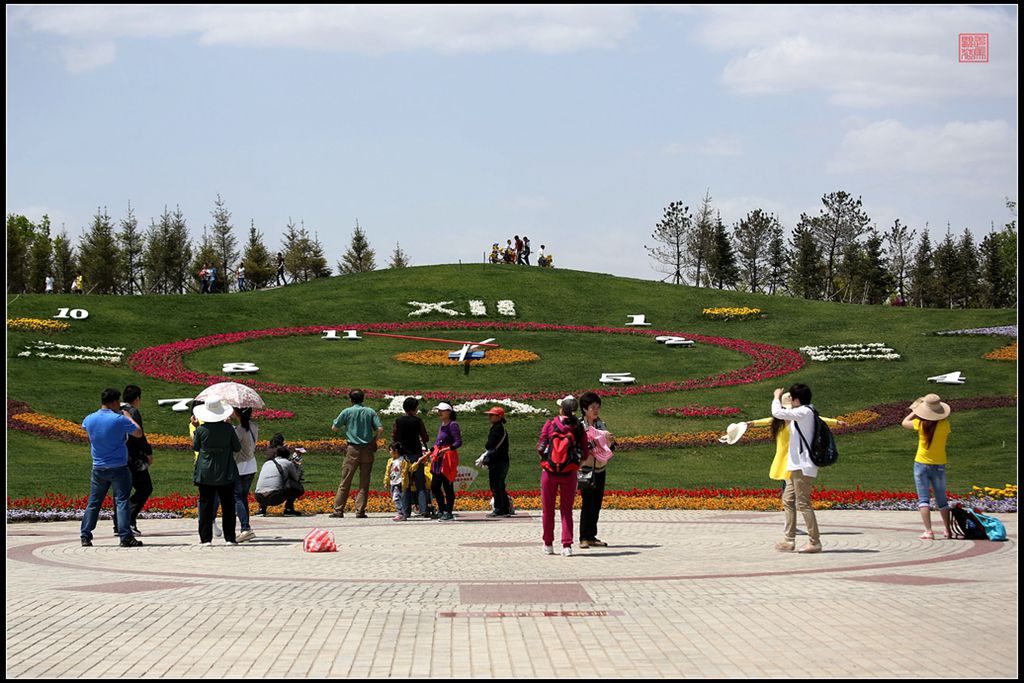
822,448
965,524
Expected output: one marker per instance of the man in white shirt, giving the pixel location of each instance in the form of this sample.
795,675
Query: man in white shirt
797,495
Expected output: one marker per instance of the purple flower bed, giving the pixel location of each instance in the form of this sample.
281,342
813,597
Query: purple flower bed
69,515
1006,330
1007,505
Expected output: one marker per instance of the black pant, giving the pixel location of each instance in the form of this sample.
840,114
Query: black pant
444,493
591,507
496,474
265,500
143,485
208,496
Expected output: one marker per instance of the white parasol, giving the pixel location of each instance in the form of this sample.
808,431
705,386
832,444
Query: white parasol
232,393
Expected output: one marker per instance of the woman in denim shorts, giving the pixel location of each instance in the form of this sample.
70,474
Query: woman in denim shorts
928,418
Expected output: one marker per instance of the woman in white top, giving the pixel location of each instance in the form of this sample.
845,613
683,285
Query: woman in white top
247,431
802,471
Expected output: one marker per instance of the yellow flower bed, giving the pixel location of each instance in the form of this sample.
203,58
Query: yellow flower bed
492,357
37,325
1008,491
730,313
1005,353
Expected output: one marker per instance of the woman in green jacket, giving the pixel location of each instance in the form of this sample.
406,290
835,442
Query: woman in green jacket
216,471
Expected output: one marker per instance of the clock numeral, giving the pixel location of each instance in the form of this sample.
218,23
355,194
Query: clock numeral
669,340
640,320
617,378
333,334
180,404
76,313
232,368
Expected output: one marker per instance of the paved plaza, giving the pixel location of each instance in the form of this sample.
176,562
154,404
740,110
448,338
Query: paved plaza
696,594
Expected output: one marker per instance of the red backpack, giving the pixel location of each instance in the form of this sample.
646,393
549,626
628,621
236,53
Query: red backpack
562,452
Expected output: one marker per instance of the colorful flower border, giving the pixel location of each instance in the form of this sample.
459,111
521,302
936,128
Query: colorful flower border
698,411
439,357
37,325
1005,353
165,362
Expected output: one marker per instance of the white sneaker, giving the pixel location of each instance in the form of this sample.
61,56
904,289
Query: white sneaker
548,550
567,551
246,536
208,544
230,543
216,529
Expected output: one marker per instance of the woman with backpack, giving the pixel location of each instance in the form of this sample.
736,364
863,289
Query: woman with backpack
562,446
928,418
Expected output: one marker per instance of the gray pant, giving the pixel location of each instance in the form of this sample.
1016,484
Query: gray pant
797,496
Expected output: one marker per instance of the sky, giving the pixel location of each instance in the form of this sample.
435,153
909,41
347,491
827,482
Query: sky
446,128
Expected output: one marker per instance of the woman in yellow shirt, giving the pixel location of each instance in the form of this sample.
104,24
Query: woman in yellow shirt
928,418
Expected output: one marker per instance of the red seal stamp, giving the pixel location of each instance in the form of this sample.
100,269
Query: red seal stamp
973,47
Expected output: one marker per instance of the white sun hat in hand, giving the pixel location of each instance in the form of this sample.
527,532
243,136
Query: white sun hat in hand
733,433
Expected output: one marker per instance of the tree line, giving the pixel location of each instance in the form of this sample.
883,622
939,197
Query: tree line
164,259
837,255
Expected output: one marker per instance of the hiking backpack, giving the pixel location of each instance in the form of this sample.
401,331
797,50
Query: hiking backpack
822,449
562,451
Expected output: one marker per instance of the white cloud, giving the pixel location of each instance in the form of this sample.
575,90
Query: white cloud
722,147
86,58
862,56
348,28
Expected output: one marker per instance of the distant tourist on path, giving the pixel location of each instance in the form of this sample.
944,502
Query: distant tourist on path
140,457
495,458
245,459
280,270
526,250
928,418
562,446
592,498
78,286
519,251
216,471
280,479
240,274
444,462
107,429
49,285
362,429
802,471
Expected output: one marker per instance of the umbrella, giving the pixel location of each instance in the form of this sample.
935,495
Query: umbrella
232,393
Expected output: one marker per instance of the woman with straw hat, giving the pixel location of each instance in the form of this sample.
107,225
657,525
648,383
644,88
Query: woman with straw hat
928,418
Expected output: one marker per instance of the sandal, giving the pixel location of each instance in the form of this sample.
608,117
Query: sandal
927,536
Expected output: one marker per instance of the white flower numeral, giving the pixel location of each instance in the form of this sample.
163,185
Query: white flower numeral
640,320
180,405
76,313
395,407
232,368
617,378
669,340
477,307
438,307
333,334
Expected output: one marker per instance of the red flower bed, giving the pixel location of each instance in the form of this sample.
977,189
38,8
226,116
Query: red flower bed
698,411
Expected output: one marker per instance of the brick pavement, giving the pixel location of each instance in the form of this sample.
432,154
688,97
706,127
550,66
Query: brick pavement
676,594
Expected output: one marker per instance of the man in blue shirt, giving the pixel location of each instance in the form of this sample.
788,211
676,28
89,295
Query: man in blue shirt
107,429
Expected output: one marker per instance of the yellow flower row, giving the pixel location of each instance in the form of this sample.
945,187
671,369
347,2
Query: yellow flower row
1008,491
492,357
730,313
1005,353
37,325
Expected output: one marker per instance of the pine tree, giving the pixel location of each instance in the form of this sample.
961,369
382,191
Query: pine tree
841,221
293,251
807,272
154,267
968,272
98,255
901,242
179,254
947,277
778,259
65,265
19,240
226,245
700,242
360,256
131,243
722,269
259,267
671,233
40,256
399,259
317,258
922,274
753,235
848,281
878,282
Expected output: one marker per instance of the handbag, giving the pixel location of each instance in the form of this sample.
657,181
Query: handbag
289,486
585,478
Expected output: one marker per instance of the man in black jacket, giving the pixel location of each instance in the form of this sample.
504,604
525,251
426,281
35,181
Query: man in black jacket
496,459
140,457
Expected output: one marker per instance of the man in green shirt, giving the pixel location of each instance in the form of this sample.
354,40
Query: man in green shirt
362,429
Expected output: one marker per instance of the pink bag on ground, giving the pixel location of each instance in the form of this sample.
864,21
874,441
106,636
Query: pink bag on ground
319,541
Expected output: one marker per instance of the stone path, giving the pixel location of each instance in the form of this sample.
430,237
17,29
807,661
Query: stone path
676,594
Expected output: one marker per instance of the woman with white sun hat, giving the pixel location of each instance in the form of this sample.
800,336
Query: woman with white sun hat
928,418
216,471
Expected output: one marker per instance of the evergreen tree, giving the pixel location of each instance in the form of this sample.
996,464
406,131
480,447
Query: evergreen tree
98,255
993,285
19,239
841,221
317,258
131,242
807,271
1008,243
700,241
154,267
227,246
901,242
922,274
179,254
848,276
671,232
947,276
293,251
778,259
259,266
399,259
722,269
65,265
360,256
968,272
753,236
878,282
40,256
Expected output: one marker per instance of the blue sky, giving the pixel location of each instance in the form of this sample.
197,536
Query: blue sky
447,128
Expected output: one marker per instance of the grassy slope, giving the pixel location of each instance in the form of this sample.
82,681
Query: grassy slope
983,448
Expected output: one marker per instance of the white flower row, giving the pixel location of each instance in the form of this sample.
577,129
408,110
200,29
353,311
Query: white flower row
105,354
507,307
871,351
477,307
515,407
69,356
434,307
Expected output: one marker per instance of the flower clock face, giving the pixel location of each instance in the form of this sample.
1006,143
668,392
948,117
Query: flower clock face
544,361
